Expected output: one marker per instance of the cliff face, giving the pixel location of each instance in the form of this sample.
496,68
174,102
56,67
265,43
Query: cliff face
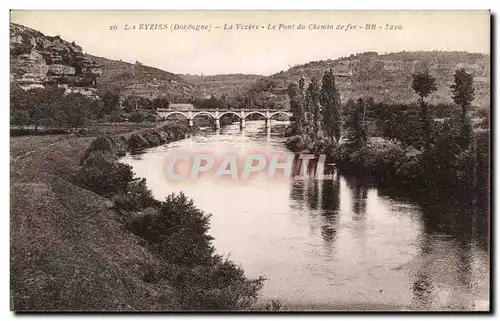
38,60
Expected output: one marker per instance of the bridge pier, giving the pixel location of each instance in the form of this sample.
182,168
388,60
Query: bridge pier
242,119
190,122
217,123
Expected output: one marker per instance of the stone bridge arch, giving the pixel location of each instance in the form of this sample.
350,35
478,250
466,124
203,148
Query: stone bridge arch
255,112
165,115
282,112
207,113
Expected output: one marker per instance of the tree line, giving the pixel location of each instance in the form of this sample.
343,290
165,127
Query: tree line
417,150
51,107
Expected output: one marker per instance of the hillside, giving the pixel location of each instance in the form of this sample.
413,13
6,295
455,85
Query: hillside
230,85
37,60
140,80
386,78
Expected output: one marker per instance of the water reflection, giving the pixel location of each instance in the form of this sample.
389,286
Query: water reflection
341,242
330,206
358,186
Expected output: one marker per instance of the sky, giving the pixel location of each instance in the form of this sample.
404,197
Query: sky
220,50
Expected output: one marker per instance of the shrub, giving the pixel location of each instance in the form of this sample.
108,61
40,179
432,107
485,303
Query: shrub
220,286
136,197
137,117
295,143
102,174
177,231
175,130
383,157
137,141
106,144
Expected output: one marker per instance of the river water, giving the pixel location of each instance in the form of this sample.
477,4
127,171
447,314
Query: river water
337,244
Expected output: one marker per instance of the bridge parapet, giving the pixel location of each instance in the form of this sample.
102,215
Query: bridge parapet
216,114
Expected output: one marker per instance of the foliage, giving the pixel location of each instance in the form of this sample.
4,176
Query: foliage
297,120
175,231
313,109
463,95
137,117
463,89
136,197
330,101
52,108
296,143
354,124
111,102
102,174
424,84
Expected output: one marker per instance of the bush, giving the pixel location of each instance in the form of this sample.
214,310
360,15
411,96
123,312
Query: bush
137,141
220,286
102,174
106,144
295,143
178,232
136,197
137,117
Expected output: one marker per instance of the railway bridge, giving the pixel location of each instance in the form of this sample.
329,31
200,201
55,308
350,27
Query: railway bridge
216,114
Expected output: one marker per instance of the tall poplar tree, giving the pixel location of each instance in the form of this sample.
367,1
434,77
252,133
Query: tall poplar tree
424,84
463,95
313,106
330,102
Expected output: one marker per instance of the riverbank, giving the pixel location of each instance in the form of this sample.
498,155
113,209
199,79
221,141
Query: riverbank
370,249
73,249
444,171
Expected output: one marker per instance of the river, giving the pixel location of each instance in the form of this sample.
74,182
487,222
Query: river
340,244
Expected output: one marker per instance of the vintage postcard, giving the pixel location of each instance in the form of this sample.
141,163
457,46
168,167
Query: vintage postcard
250,161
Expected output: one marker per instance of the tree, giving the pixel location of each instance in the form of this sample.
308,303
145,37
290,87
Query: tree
160,102
424,84
330,101
78,109
463,95
111,101
296,108
211,103
130,103
313,106
356,133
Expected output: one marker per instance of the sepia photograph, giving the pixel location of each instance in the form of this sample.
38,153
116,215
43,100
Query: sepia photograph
250,161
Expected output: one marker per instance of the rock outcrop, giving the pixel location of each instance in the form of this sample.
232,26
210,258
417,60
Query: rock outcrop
38,60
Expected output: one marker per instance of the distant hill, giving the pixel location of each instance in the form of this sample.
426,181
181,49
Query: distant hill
386,78
230,85
143,81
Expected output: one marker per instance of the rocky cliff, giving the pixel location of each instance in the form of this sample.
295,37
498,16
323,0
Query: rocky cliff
37,60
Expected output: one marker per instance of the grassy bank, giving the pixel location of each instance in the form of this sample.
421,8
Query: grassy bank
81,242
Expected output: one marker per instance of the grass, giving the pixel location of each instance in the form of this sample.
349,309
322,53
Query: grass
72,250
69,251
